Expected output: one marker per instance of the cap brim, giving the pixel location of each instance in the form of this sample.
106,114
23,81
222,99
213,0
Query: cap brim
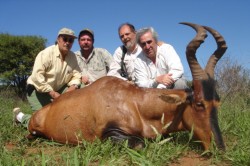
68,35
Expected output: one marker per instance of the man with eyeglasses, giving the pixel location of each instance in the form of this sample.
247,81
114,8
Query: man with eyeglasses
55,71
93,62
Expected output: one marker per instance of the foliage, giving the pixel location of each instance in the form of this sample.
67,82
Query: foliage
17,55
233,82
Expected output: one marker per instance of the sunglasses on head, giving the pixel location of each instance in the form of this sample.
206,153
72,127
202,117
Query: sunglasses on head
68,39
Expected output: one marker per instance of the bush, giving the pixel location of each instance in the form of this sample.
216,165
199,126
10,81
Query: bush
233,82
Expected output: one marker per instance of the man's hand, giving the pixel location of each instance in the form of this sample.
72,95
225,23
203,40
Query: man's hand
54,94
165,79
85,80
130,82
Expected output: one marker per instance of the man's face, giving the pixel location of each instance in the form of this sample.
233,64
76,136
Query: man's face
86,42
127,37
148,44
65,43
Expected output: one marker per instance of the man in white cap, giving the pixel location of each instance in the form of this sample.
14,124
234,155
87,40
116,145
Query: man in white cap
93,62
55,71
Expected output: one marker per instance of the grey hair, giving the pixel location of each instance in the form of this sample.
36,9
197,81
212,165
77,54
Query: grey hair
142,31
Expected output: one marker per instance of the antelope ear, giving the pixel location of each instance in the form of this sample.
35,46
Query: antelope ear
171,98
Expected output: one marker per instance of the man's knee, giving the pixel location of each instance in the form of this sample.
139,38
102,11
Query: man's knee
181,84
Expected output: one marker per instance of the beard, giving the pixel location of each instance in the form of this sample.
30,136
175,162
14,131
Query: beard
129,45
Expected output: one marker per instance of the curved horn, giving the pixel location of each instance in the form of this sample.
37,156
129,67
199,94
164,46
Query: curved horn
197,72
215,57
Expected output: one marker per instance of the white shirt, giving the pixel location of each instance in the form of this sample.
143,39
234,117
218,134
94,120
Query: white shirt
167,61
129,60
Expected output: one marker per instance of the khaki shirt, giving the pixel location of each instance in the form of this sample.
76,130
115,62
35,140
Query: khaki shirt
97,65
51,73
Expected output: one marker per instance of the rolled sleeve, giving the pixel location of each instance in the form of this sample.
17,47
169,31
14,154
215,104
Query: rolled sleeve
173,61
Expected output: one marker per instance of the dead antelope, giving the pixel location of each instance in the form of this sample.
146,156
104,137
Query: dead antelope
112,108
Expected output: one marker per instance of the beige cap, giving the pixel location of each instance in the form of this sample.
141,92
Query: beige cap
67,31
86,30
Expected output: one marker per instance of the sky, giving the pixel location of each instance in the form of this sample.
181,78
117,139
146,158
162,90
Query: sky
46,17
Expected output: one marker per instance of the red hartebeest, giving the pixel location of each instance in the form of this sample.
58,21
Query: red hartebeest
111,107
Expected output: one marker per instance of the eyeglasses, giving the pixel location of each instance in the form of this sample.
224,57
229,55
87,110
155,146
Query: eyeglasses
67,39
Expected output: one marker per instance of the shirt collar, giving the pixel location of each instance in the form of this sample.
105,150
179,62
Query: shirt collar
57,51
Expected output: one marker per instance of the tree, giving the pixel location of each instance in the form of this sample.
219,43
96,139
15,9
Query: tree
17,55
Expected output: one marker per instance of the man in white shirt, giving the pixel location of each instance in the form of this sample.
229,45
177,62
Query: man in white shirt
157,66
124,69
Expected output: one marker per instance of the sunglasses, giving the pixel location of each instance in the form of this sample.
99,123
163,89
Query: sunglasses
67,39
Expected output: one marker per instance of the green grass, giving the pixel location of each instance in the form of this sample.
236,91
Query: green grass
235,125
15,149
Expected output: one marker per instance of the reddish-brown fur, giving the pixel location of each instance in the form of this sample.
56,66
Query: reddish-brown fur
87,111
113,107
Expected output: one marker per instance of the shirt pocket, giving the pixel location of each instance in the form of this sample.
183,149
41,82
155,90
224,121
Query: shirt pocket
98,66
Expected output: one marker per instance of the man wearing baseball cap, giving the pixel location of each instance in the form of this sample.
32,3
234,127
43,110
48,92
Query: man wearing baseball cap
55,71
93,62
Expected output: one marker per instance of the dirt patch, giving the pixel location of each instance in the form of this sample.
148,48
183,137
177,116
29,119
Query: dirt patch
10,146
192,159
37,150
